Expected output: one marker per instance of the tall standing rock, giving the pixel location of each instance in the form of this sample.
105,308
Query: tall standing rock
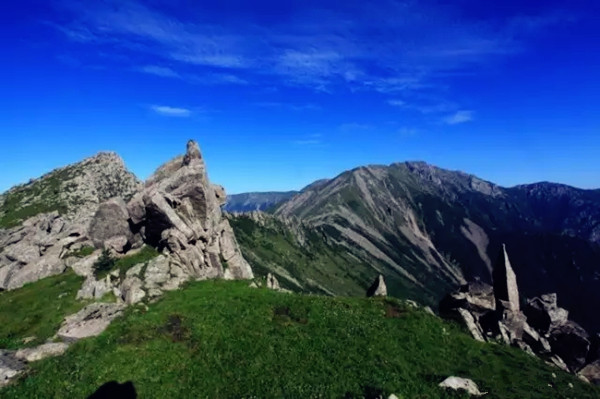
378,288
179,212
506,290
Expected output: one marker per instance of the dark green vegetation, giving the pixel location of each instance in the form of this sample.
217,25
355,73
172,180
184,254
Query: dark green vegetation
434,223
106,263
304,260
223,339
38,196
37,309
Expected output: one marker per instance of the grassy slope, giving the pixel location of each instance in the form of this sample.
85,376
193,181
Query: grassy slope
273,248
223,339
37,309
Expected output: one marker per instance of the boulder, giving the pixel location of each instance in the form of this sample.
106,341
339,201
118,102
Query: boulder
462,384
506,290
543,313
572,343
131,290
89,321
378,288
94,289
272,282
10,367
471,324
110,220
41,352
476,297
591,372
117,244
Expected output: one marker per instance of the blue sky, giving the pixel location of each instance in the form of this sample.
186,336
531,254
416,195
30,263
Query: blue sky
281,93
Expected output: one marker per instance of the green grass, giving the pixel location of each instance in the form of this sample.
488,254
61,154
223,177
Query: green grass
37,309
39,196
125,263
218,339
80,253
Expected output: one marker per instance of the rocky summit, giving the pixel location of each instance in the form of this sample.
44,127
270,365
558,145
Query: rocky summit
169,230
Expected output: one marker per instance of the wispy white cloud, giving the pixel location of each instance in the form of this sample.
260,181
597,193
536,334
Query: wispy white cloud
353,127
396,47
160,71
459,117
309,140
166,110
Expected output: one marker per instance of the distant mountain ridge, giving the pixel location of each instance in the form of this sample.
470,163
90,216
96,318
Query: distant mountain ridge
258,201
429,228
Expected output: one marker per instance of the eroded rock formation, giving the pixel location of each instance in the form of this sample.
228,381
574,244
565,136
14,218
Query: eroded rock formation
542,328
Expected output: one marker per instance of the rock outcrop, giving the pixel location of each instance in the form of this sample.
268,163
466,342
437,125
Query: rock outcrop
61,204
179,212
461,384
10,367
542,329
378,288
89,321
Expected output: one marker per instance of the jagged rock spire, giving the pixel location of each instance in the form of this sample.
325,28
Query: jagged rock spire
192,152
506,290
378,288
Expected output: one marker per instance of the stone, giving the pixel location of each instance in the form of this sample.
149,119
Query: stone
272,282
117,244
461,384
41,352
591,372
538,344
558,362
85,266
89,321
378,288
514,323
110,221
94,289
131,290
543,313
469,322
192,152
571,343
476,297
10,367
179,212
506,290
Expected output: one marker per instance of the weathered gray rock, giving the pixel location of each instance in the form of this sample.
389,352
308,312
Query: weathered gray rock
131,290
89,321
272,282
543,313
538,343
110,221
41,352
94,289
476,297
591,372
572,343
506,290
10,367
378,288
461,384
472,326
179,211
118,244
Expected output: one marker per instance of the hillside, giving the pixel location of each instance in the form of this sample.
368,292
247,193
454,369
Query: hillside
263,201
224,339
436,228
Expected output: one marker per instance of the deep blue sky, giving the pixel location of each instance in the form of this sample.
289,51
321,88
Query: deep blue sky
279,94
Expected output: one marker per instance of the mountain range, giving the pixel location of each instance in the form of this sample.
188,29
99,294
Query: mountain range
429,229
